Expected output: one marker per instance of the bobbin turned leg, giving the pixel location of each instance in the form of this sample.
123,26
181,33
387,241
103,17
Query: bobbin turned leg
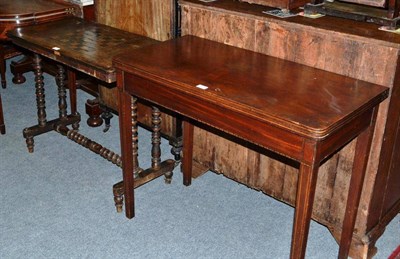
2,125
62,93
40,102
156,142
3,66
72,96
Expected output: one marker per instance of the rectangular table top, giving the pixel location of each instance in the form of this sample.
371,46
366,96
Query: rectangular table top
86,46
304,100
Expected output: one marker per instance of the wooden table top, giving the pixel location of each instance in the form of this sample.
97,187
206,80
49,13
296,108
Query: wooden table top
86,46
314,102
24,8
17,13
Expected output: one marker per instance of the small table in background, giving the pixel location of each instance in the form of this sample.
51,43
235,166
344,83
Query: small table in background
78,45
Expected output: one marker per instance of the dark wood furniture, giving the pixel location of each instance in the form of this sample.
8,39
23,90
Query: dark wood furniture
85,47
18,13
383,12
263,100
355,49
152,18
2,125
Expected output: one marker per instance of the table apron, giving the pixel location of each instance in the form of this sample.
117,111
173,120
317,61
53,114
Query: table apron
264,134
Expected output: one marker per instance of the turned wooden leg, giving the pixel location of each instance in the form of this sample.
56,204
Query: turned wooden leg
361,155
94,111
62,99
72,95
2,67
176,141
40,94
187,160
40,101
2,124
304,203
106,116
118,191
156,142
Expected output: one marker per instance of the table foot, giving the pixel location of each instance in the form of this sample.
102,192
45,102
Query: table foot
142,177
94,111
106,116
30,144
118,191
168,177
176,149
33,131
75,125
3,84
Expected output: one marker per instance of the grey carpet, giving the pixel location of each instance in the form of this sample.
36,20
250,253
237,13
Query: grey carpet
58,203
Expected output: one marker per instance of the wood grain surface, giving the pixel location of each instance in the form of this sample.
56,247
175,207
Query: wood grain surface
345,47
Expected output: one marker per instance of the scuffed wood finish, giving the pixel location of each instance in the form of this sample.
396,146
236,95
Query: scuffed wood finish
282,4
86,46
262,100
344,47
150,18
377,3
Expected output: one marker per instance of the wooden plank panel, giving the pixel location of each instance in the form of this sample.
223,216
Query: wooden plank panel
150,18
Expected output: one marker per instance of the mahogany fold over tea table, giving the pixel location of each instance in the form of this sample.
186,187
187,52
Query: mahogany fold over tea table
264,100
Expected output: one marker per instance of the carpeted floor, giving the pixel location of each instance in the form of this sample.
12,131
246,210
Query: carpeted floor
58,203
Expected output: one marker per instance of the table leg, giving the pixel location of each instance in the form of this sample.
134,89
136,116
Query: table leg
361,155
304,202
187,152
40,99
155,138
129,150
72,95
62,102
2,125
3,66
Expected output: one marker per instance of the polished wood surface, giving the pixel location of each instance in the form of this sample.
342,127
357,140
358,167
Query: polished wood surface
355,49
264,96
19,13
22,13
151,18
85,46
263,100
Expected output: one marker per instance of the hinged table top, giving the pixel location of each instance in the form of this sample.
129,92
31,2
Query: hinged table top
302,99
85,46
